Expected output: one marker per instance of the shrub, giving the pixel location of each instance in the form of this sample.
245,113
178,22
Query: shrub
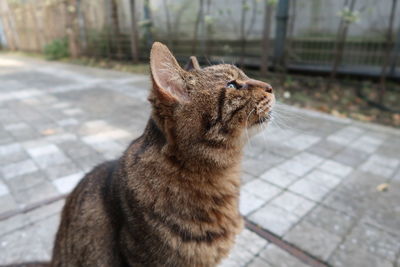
57,49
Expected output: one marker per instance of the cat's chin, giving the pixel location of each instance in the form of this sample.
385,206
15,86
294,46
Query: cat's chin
254,130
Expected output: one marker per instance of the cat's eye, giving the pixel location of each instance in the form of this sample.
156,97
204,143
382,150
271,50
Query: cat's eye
233,85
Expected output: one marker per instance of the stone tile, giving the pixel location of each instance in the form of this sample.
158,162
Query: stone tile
37,151
246,177
57,171
313,239
20,126
3,189
8,149
44,212
279,258
23,182
309,189
65,184
7,203
238,257
249,203
294,167
68,122
251,241
380,165
345,135
274,219
367,143
76,149
357,257
12,223
292,203
308,159
324,179
325,148
265,161
261,189
36,193
72,111
336,168
351,157
333,221
302,141
49,160
279,177
374,240
20,168
32,243
87,163
259,262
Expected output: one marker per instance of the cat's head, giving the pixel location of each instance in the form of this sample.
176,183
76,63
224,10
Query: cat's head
211,106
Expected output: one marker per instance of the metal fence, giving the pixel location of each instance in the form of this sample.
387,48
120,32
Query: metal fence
227,30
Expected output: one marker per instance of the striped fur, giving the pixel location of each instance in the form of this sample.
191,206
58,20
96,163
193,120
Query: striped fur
172,198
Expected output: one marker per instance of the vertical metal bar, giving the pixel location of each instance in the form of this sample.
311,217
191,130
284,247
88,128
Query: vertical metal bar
280,34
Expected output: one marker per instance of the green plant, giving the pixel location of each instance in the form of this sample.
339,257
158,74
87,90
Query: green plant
57,49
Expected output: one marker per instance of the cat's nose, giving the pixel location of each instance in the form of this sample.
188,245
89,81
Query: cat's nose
259,84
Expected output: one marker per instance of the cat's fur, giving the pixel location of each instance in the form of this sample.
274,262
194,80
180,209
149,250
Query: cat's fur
172,198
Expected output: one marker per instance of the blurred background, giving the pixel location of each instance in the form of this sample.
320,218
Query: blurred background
353,45
320,186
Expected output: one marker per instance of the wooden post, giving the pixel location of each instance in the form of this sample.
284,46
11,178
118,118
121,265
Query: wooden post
71,28
265,43
280,34
134,33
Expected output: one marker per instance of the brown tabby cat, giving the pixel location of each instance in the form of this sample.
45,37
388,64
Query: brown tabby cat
172,198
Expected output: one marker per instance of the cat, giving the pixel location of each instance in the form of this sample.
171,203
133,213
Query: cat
171,199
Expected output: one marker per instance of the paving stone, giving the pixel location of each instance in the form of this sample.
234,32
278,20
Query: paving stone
279,258
311,238
12,223
30,244
309,189
76,149
325,148
8,149
294,167
15,127
292,203
345,135
65,184
44,212
323,178
367,143
3,189
36,193
302,141
249,203
351,157
279,177
374,240
357,257
381,165
274,219
238,257
261,189
265,161
23,182
333,221
43,150
57,171
259,262
336,168
20,168
251,241
246,177
7,203
87,163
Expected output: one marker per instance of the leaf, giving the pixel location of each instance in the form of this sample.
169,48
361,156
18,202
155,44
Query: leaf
382,187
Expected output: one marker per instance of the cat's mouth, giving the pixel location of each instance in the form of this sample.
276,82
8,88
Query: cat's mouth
266,118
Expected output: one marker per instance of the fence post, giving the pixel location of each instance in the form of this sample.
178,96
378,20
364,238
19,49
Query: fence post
395,55
282,16
149,25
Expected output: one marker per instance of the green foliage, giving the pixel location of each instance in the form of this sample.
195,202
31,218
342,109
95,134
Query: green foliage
57,49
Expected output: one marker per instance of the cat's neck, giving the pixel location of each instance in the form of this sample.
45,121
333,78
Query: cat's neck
196,157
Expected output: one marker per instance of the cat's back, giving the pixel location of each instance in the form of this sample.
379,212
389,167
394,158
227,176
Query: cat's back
86,230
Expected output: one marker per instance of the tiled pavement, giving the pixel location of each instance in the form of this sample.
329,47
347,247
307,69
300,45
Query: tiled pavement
311,179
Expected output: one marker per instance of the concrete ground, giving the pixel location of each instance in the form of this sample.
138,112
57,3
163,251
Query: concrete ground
315,182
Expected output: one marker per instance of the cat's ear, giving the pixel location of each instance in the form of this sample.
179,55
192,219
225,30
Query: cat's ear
192,64
166,73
